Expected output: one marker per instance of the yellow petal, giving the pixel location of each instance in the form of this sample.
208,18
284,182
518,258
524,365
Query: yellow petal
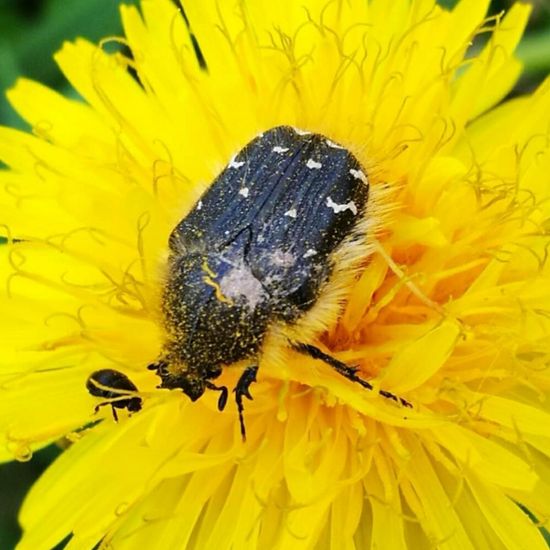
421,359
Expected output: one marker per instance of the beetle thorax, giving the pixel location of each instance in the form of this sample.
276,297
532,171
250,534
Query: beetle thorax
215,311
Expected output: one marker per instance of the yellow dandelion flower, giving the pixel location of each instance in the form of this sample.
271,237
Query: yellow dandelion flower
449,307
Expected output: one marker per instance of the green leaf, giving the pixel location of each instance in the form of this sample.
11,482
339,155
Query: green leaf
62,20
534,52
9,70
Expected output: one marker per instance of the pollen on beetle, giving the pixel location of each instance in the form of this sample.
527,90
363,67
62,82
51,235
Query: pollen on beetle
279,149
282,258
240,282
244,192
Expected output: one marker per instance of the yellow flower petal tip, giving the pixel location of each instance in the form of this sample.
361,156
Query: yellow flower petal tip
446,307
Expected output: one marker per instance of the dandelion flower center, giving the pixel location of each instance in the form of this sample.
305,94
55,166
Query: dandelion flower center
441,301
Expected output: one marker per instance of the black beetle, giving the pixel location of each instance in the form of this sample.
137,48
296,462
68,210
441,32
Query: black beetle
256,254
116,387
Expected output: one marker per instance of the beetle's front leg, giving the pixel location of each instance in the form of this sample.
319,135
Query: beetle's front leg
243,389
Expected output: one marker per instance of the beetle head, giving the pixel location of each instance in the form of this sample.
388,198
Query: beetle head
189,382
134,404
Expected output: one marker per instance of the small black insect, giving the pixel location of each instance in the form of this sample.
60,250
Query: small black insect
116,388
256,254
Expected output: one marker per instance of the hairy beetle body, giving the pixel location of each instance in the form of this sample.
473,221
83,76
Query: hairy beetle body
256,248
256,255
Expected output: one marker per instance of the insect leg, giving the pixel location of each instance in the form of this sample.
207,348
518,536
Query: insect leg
97,407
345,370
243,388
222,400
159,366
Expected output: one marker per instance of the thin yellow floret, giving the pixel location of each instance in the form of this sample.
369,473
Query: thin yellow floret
448,304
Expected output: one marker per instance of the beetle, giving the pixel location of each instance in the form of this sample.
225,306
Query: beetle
117,388
256,257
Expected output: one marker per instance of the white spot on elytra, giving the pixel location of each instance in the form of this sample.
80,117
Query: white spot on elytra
310,252
240,282
291,213
313,165
301,132
342,207
199,205
359,175
279,149
244,192
333,145
236,163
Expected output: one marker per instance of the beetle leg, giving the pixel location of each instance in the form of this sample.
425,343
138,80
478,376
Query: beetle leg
222,400
97,407
345,370
159,366
243,388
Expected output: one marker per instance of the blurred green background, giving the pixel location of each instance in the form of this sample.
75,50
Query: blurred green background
32,30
